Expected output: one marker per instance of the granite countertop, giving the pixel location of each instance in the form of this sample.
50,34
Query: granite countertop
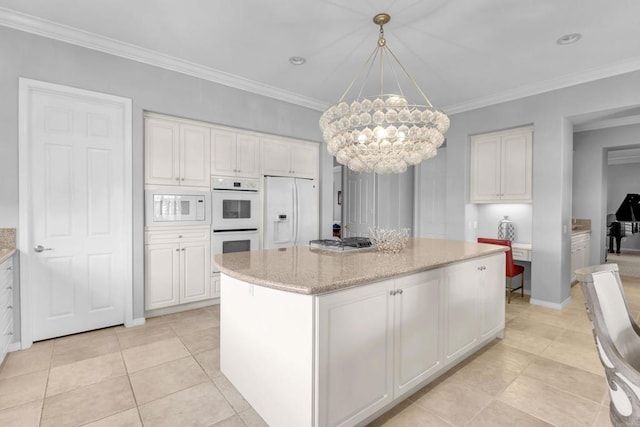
579,226
7,243
6,253
314,271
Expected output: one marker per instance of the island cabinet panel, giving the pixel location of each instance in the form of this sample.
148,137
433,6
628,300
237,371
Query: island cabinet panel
376,343
355,361
474,304
266,350
416,329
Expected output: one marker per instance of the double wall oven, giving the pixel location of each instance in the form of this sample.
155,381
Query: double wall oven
235,215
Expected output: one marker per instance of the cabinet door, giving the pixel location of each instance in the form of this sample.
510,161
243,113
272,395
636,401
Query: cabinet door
516,167
416,333
215,286
162,275
162,152
355,360
276,157
304,160
195,153
492,295
485,168
461,308
248,156
196,271
223,153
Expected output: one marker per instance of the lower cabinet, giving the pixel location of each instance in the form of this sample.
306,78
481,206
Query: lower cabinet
177,266
6,306
342,358
474,305
360,369
580,252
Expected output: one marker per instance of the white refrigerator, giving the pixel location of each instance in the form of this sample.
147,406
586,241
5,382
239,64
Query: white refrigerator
291,212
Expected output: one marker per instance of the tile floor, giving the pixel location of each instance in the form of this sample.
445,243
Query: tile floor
166,373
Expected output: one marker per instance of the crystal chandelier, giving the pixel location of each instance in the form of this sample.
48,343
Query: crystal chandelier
385,133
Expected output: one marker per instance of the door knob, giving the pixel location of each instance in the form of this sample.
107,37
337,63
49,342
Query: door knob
41,248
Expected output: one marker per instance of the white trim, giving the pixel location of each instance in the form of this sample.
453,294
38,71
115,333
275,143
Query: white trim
548,304
607,123
138,321
25,87
14,346
610,70
42,27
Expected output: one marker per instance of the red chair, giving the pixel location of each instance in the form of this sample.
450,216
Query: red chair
512,269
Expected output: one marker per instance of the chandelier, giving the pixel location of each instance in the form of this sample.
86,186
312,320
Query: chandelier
385,133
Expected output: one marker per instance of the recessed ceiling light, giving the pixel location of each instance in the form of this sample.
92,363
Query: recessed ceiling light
297,60
569,38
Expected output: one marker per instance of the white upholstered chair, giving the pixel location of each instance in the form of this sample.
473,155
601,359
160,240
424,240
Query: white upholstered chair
617,338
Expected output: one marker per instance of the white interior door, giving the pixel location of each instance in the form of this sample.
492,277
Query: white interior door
76,207
360,202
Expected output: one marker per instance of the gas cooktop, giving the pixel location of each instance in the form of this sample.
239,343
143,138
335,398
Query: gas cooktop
346,244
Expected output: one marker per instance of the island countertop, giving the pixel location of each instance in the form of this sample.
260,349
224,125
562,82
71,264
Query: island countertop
314,271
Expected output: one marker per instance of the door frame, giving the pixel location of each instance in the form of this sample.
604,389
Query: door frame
25,88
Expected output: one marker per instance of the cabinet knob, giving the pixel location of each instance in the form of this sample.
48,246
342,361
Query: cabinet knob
392,293
9,288
182,179
182,249
179,236
9,333
399,291
177,249
10,306
10,268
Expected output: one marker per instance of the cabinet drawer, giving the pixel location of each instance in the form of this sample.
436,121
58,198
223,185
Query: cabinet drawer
521,254
176,235
6,273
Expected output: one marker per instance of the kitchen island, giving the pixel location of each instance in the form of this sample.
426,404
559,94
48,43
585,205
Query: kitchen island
318,338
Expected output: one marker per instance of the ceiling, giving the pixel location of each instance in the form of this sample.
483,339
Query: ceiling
463,54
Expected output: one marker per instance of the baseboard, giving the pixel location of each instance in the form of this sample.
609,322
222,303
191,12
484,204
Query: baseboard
182,307
139,321
14,346
548,304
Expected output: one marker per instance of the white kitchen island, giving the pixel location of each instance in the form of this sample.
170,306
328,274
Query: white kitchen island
318,338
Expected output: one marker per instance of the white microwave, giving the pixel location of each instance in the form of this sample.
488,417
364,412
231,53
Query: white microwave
176,207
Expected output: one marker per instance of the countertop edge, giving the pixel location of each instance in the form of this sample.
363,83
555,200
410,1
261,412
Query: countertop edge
337,286
6,253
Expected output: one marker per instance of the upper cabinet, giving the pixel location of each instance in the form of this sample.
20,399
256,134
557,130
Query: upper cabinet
235,154
502,166
176,153
281,157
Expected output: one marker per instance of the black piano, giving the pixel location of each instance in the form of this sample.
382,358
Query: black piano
627,221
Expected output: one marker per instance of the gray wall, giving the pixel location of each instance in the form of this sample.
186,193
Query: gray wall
550,114
151,89
591,180
622,180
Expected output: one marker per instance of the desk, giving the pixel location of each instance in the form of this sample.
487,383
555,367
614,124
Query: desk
521,251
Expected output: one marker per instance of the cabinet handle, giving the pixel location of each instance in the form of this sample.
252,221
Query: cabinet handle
178,250
399,291
10,268
179,236
9,306
392,293
9,333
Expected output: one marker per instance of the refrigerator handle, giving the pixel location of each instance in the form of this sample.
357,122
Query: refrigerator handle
295,221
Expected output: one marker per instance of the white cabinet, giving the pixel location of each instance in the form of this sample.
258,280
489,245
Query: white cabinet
176,153
6,306
235,154
376,343
215,286
502,166
474,305
281,157
177,266
580,252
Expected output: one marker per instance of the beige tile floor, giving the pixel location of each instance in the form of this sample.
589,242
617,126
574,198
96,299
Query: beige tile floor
167,373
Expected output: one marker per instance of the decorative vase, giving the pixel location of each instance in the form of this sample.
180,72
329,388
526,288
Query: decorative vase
506,229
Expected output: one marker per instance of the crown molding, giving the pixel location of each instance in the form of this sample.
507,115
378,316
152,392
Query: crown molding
42,27
607,123
622,67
